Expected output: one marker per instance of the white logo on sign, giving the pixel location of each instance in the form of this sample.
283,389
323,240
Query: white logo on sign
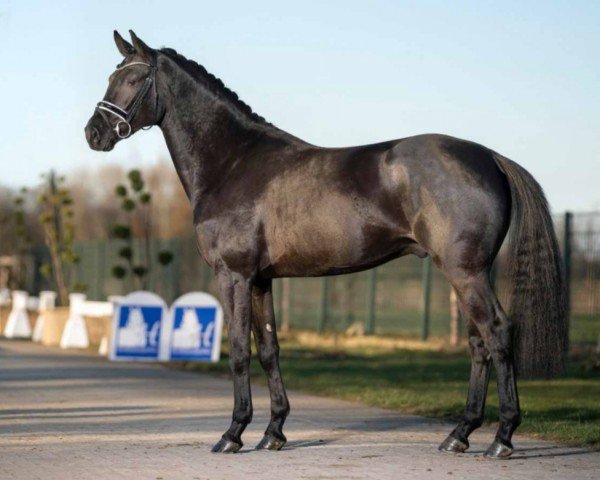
187,336
208,334
133,334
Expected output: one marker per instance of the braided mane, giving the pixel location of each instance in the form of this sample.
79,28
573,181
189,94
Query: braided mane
215,84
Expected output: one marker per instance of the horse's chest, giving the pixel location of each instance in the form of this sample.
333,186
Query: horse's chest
230,241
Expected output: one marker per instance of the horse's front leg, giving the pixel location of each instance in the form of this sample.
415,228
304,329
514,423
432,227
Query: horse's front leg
263,326
235,293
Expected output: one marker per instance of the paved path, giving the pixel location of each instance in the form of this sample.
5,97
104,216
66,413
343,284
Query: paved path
70,416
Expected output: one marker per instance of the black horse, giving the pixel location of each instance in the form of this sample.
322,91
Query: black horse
267,204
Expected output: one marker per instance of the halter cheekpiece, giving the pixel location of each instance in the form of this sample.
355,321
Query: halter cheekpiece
125,116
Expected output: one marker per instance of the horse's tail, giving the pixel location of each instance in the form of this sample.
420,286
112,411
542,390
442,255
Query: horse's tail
538,307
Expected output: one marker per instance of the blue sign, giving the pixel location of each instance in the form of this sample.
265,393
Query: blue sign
193,333
138,327
139,331
195,324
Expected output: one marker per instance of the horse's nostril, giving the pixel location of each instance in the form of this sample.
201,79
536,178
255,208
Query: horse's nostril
92,135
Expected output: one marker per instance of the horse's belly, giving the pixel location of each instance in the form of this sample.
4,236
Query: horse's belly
323,237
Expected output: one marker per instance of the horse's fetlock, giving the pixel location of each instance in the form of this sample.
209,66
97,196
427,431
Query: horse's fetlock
474,420
243,415
280,411
510,416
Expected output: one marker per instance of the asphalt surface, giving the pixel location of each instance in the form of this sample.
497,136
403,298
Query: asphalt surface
71,416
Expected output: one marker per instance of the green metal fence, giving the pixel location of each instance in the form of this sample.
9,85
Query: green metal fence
407,296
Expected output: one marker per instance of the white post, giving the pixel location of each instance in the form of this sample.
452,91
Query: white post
4,297
47,302
75,334
4,300
18,320
104,349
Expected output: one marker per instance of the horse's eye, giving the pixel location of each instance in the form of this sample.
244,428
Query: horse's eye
131,82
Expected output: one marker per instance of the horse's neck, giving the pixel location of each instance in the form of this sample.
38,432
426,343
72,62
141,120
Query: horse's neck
203,153
205,135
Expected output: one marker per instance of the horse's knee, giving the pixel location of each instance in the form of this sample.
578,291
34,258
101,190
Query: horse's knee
268,357
239,363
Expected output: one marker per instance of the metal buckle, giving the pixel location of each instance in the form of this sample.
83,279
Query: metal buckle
118,129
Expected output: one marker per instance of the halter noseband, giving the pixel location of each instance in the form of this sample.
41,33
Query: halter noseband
126,116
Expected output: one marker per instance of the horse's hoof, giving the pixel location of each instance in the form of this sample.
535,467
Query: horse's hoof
226,446
498,451
453,445
270,442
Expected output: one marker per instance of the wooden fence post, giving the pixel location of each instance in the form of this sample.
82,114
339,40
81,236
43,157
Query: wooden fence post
426,297
324,304
370,324
454,319
567,257
285,305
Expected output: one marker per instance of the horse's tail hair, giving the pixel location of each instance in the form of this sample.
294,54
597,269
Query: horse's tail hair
538,309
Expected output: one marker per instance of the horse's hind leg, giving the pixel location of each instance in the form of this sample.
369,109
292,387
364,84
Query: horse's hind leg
265,335
480,306
457,441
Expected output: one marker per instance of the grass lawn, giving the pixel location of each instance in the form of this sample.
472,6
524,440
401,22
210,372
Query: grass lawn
434,383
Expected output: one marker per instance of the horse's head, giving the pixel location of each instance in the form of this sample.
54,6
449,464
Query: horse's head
131,100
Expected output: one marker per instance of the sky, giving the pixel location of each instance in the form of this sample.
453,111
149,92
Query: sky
521,77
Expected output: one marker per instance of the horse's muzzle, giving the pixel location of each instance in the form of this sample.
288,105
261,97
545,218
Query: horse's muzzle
98,136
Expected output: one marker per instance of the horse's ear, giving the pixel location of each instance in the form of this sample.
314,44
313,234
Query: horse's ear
123,45
141,48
